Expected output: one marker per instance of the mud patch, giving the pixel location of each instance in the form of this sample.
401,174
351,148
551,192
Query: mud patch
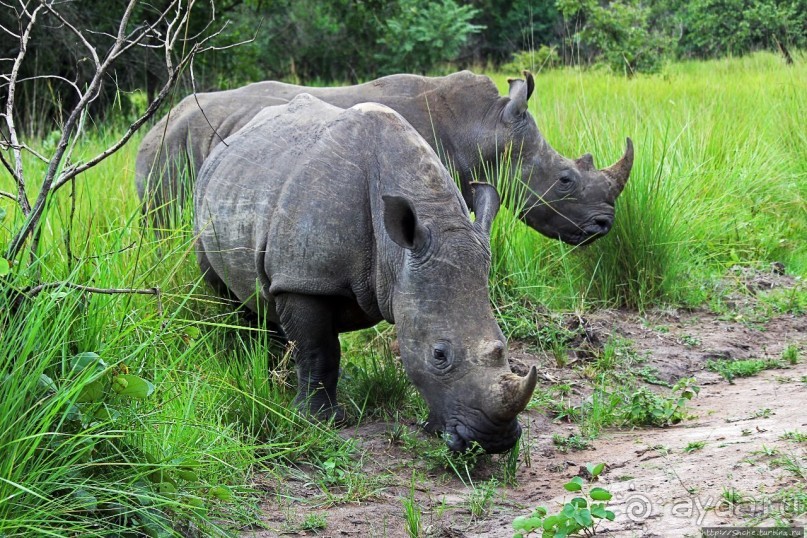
666,481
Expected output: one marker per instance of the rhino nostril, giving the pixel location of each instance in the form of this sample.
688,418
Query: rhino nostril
603,222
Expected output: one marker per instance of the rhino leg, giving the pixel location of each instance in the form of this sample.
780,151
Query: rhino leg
308,321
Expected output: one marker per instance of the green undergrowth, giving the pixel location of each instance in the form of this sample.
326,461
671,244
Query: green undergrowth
731,369
616,394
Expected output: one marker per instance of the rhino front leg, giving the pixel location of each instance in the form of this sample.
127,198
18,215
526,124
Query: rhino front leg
308,321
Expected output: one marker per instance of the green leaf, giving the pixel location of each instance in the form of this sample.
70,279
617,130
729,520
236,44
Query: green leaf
583,517
91,392
86,360
527,524
196,504
87,501
185,463
73,413
600,494
551,522
132,386
5,267
576,484
167,489
595,470
222,493
46,383
598,510
190,476
568,510
610,516
540,511
104,413
154,524
579,502
3,214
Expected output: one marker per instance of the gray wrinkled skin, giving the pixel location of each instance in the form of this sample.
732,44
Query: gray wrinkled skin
461,116
331,220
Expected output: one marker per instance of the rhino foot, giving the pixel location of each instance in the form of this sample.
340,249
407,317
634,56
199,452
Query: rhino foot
328,413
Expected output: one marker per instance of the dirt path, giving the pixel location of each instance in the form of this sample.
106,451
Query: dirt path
660,489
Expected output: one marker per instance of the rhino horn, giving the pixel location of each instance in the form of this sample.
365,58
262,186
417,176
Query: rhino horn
619,172
519,392
520,93
486,205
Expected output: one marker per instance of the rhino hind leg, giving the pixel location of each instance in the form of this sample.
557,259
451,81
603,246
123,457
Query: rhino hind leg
250,317
308,322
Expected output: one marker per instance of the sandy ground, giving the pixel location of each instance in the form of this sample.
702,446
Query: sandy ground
659,488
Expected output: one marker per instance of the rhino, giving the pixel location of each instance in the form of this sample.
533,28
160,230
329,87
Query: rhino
329,220
461,116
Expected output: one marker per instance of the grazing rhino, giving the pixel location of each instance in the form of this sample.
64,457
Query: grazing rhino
331,220
462,116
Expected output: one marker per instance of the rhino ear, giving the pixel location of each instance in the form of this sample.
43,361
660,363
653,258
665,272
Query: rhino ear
401,223
520,92
486,205
586,162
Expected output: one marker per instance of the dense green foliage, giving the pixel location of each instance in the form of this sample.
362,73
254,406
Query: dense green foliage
632,36
326,41
717,182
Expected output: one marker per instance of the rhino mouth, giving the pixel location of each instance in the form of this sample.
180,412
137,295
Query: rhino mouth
590,231
460,436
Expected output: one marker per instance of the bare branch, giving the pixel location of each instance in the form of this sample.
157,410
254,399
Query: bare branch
35,212
9,32
76,31
10,168
57,77
201,109
57,174
32,292
17,173
76,135
4,194
6,144
131,40
73,171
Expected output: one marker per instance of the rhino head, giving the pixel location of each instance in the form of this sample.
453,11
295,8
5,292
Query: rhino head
561,198
451,346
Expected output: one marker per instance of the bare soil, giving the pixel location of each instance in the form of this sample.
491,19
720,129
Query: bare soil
660,489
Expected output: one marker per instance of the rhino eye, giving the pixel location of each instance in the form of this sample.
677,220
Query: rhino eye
441,355
566,182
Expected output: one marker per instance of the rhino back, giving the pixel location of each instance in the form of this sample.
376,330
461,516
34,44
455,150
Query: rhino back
198,124
292,203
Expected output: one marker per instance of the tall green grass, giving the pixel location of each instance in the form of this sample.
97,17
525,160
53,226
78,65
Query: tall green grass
78,458
720,179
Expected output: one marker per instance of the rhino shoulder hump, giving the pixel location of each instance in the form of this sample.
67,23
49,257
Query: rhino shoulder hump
374,108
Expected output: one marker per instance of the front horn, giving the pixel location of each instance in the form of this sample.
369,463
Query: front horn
517,392
619,172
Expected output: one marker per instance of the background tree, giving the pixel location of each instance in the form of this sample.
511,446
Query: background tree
620,33
97,54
